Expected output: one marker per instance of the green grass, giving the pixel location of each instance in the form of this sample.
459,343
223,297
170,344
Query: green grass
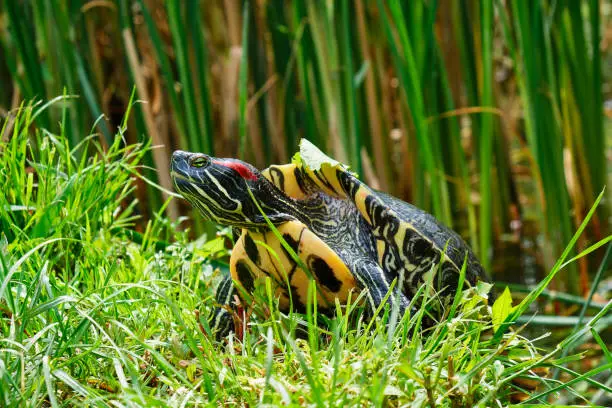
94,313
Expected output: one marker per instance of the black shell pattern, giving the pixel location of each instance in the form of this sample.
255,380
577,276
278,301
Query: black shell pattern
437,232
424,240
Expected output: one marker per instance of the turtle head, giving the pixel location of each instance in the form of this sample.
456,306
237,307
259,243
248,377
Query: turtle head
223,190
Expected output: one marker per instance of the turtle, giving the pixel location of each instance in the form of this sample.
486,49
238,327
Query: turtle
344,235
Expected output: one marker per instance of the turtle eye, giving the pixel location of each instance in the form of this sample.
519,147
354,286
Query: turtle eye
199,161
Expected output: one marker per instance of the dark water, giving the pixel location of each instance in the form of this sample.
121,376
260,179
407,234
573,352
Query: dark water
517,257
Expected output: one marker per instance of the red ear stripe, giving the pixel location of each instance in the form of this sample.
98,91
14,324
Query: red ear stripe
243,170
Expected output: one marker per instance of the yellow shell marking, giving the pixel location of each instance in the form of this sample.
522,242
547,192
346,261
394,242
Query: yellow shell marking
361,194
326,179
239,257
360,198
283,177
333,278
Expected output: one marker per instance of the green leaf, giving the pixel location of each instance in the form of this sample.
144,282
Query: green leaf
312,158
361,74
212,247
502,308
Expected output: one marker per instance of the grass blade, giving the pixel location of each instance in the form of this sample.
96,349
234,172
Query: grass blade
243,92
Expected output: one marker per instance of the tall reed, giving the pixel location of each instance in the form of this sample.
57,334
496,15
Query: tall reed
440,104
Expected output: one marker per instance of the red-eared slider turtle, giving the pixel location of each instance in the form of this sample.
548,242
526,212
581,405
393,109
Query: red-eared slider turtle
349,236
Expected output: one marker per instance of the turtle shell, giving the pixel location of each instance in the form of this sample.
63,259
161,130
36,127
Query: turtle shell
408,241
412,242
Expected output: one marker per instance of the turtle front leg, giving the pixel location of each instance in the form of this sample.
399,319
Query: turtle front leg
372,278
222,322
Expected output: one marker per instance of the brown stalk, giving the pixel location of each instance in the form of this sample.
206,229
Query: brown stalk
229,112
369,174
232,10
376,136
160,154
10,117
